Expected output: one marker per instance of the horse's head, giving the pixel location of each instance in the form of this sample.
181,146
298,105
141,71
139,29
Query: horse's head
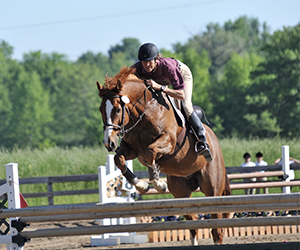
112,110
115,103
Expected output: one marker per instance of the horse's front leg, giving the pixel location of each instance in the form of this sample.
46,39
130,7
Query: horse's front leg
124,153
163,145
160,185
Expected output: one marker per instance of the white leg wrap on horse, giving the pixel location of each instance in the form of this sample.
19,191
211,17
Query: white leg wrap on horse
160,186
142,187
194,241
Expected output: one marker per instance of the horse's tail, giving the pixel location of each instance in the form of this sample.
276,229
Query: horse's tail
227,190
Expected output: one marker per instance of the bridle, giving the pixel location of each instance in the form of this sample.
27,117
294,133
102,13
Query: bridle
122,129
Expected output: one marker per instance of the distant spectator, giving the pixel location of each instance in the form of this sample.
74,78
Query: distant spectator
291,161
261,162
248,163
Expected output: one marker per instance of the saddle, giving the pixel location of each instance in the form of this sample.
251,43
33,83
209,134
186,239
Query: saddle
180,114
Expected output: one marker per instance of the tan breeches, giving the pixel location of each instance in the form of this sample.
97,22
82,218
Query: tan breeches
188,90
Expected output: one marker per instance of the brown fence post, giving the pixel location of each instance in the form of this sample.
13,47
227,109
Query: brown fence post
50,192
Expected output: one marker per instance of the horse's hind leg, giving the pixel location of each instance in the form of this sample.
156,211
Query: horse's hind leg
214,187
182,188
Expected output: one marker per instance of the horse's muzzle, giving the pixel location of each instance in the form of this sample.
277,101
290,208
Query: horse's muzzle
110,140
111,146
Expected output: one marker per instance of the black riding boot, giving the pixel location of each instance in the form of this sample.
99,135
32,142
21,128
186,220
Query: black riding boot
202,147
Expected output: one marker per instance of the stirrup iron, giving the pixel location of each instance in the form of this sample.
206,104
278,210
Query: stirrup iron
204,151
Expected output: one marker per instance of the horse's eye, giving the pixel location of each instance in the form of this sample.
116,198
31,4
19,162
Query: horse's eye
118,110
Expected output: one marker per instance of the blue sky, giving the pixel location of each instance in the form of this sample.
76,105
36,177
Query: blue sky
73,27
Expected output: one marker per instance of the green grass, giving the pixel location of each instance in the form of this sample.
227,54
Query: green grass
52,162
234,149
85,160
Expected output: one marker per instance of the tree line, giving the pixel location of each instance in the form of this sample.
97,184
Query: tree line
245,78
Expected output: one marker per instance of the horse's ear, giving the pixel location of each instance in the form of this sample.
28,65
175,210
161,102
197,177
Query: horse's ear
119,85
99,86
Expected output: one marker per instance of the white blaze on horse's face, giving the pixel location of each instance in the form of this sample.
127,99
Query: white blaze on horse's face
108,129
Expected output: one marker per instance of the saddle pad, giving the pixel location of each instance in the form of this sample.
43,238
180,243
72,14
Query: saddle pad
178,114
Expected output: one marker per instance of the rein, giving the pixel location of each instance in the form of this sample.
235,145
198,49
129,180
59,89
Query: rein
124,131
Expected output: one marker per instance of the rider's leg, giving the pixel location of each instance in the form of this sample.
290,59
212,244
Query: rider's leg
202,147
199,131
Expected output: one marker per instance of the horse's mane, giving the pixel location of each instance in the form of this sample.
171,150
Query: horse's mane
124,74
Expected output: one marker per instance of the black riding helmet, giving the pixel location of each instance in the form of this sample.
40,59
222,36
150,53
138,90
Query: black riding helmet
147,52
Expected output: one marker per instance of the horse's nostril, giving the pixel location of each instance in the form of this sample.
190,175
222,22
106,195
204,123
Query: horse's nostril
112,145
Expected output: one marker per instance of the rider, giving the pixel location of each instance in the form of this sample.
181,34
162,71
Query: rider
162,72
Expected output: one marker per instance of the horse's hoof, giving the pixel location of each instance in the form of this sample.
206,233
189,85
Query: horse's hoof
142,187
160,186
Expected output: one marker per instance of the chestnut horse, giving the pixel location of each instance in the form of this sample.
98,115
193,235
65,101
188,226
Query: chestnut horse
144,120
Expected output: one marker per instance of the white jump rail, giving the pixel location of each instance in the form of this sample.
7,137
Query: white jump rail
182,203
